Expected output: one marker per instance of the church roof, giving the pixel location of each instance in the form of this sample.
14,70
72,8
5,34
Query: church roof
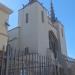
24,6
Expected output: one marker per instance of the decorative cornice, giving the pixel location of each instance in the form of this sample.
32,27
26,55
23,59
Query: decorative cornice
14,29
3,34
5,9
13,39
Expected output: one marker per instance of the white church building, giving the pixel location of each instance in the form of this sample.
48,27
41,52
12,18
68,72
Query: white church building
37,31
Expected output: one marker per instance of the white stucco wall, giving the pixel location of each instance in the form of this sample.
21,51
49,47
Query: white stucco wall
14,38
29,31
62,39
34,34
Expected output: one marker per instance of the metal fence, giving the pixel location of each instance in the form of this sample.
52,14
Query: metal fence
20,62
2,61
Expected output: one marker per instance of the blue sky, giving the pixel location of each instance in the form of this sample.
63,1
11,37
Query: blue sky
64,10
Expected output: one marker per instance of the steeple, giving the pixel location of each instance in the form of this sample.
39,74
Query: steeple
31,1
53,18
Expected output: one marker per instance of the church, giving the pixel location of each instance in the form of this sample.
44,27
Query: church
37,46
38,31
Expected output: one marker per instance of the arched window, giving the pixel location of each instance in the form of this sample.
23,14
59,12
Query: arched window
27,15
42,16
53,45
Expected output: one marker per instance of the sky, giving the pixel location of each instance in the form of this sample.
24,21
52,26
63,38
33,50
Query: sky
64,11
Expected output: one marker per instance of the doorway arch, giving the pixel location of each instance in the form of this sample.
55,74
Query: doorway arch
53,43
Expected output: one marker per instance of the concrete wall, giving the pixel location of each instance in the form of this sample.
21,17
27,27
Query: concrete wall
3,29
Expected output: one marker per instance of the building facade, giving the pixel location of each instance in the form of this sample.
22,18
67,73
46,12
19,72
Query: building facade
37,46
34,28
39,32
4,16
